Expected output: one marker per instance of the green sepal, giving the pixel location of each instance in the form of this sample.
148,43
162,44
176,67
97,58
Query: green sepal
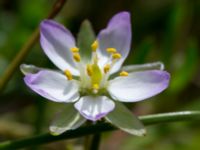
68,119
86,37
125,120
27,69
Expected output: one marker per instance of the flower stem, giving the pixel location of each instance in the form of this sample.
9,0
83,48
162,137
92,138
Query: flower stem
87,140
95,142
98,128
9,72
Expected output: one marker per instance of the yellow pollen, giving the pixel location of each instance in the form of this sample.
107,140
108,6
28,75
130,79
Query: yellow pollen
116,56
74,49
95,87
94,46
106,68
111,50
68,74
123,73
89,70
77,57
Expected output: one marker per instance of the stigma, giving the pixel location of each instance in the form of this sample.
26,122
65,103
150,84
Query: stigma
97,76
95,88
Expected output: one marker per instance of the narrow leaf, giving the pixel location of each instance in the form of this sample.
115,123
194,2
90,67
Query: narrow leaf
122,118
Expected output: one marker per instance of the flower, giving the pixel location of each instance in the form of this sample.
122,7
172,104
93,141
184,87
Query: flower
95,84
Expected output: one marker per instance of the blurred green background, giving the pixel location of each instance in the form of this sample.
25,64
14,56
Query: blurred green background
167,31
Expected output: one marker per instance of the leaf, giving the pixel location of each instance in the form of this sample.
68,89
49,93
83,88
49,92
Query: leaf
174,31
68,119
86,37
122,118
143,51
186,72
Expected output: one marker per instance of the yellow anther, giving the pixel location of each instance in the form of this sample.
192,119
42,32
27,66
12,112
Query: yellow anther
89,70
106,68
68,74
74,49
123,73
95,87
94,46
116,56
111,50
77,57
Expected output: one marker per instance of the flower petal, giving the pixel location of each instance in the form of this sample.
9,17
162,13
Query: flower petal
138,85
53,86
94,107
143,67
116,35
122,118
67,119
56,42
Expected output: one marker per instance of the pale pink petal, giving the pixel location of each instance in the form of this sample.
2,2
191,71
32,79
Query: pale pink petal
94,107
53,86
138,85
116,35
56,42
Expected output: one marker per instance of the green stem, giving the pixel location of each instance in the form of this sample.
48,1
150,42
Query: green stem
95,142
98,128
13,66
87,141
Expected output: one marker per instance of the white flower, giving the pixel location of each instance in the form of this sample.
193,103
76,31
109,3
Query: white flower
88,83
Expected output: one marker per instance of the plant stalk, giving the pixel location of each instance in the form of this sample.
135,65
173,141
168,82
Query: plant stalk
98,128
18,59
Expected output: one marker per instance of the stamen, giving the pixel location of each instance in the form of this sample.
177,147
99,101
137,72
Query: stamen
94,46
74,49
123,74
68,74
77,57
116,56
89,70
111,50
106,68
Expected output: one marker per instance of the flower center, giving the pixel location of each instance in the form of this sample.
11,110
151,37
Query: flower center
93,78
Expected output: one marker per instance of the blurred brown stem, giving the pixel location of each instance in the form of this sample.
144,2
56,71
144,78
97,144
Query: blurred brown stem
9,72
